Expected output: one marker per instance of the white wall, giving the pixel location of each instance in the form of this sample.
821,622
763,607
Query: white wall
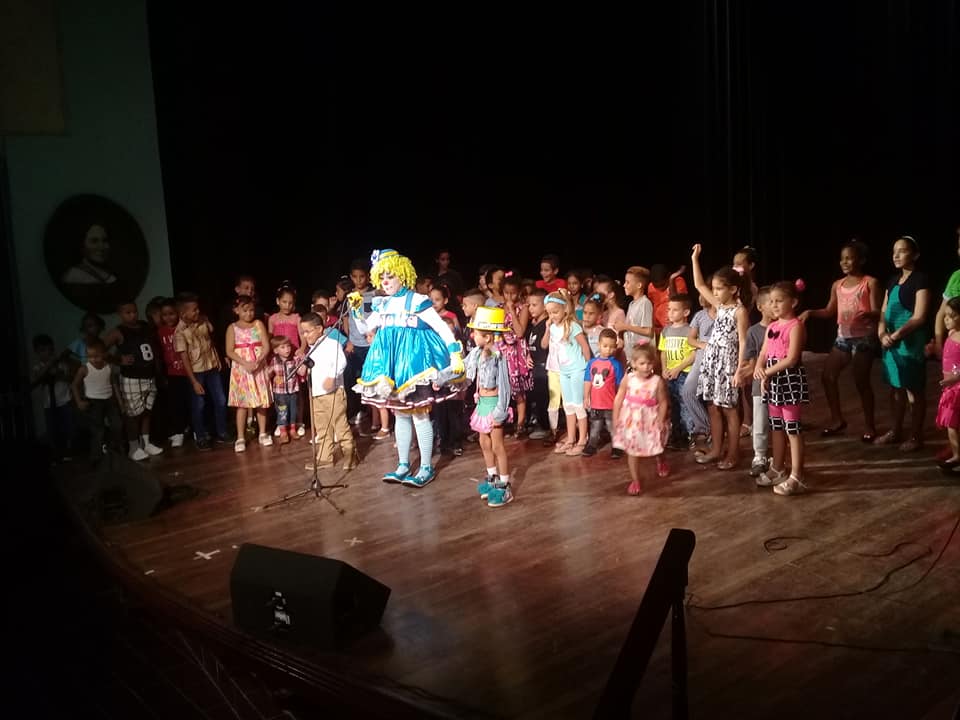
109,149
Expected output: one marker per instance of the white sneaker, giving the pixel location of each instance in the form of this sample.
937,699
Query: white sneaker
152,449
301,431
137,454
176,440
239,446
266,440
276,433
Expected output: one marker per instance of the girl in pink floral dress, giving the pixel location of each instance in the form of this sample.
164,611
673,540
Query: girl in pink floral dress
640,413
248,346
513,347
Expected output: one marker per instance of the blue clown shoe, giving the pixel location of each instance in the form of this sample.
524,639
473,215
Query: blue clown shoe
424,475
499,496
485,486
398,475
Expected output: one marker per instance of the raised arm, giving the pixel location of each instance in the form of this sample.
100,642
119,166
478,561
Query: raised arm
829,310
698,280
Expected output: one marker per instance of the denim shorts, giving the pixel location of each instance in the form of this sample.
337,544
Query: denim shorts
862,344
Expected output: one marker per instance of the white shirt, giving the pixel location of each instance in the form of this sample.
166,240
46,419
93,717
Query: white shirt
96,383
328,362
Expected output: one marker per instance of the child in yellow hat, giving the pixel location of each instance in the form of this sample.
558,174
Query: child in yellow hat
488,366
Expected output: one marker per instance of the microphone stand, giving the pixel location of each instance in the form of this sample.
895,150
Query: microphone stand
316,487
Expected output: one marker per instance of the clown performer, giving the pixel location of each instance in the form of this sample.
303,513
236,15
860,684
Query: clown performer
489,367
413,362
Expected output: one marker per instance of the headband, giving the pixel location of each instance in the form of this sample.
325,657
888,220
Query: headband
558,301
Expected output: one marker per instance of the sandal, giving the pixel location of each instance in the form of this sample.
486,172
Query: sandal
663,468
911,445
791,486
562,446
888,438
704,459
836,430
950,468
726,465
576,450
634,488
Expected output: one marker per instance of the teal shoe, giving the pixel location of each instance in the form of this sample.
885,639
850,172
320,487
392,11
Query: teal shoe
424,475
499,496
485,486
398,475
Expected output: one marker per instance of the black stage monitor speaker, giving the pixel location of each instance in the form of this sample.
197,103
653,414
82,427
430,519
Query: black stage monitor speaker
309,600
127,491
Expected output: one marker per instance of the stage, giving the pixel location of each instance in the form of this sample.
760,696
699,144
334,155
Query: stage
521,611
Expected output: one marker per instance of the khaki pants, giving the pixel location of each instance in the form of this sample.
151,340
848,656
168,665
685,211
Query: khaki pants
329,414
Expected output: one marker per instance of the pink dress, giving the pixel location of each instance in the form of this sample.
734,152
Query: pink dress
638,430
247,389
286,325
948,413
515,352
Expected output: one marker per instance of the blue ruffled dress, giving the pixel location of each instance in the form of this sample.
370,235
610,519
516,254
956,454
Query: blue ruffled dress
406,356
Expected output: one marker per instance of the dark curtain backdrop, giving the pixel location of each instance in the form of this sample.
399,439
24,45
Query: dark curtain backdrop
295,139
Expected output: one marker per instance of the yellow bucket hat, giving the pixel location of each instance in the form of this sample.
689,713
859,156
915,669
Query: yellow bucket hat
490,319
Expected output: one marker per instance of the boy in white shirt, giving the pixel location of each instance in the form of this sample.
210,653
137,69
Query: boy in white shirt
328,400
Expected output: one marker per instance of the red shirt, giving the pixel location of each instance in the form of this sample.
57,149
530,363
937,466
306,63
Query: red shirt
553,285
660,299
604,376
171,358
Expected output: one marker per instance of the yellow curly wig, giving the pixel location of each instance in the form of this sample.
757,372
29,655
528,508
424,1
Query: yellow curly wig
397,265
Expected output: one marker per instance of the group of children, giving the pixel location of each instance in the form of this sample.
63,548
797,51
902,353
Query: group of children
643,374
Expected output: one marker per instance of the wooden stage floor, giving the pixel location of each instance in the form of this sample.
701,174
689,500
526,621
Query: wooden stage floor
521,611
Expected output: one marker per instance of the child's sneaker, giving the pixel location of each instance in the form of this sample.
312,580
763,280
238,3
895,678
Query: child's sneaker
266,440
284,436
499,496
423,477
398,475
771,477
176,440
137,454
240,446
616,453
485,486
152,449
791,486
758,466
276,432
301,430
382,434
589,451
204,443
